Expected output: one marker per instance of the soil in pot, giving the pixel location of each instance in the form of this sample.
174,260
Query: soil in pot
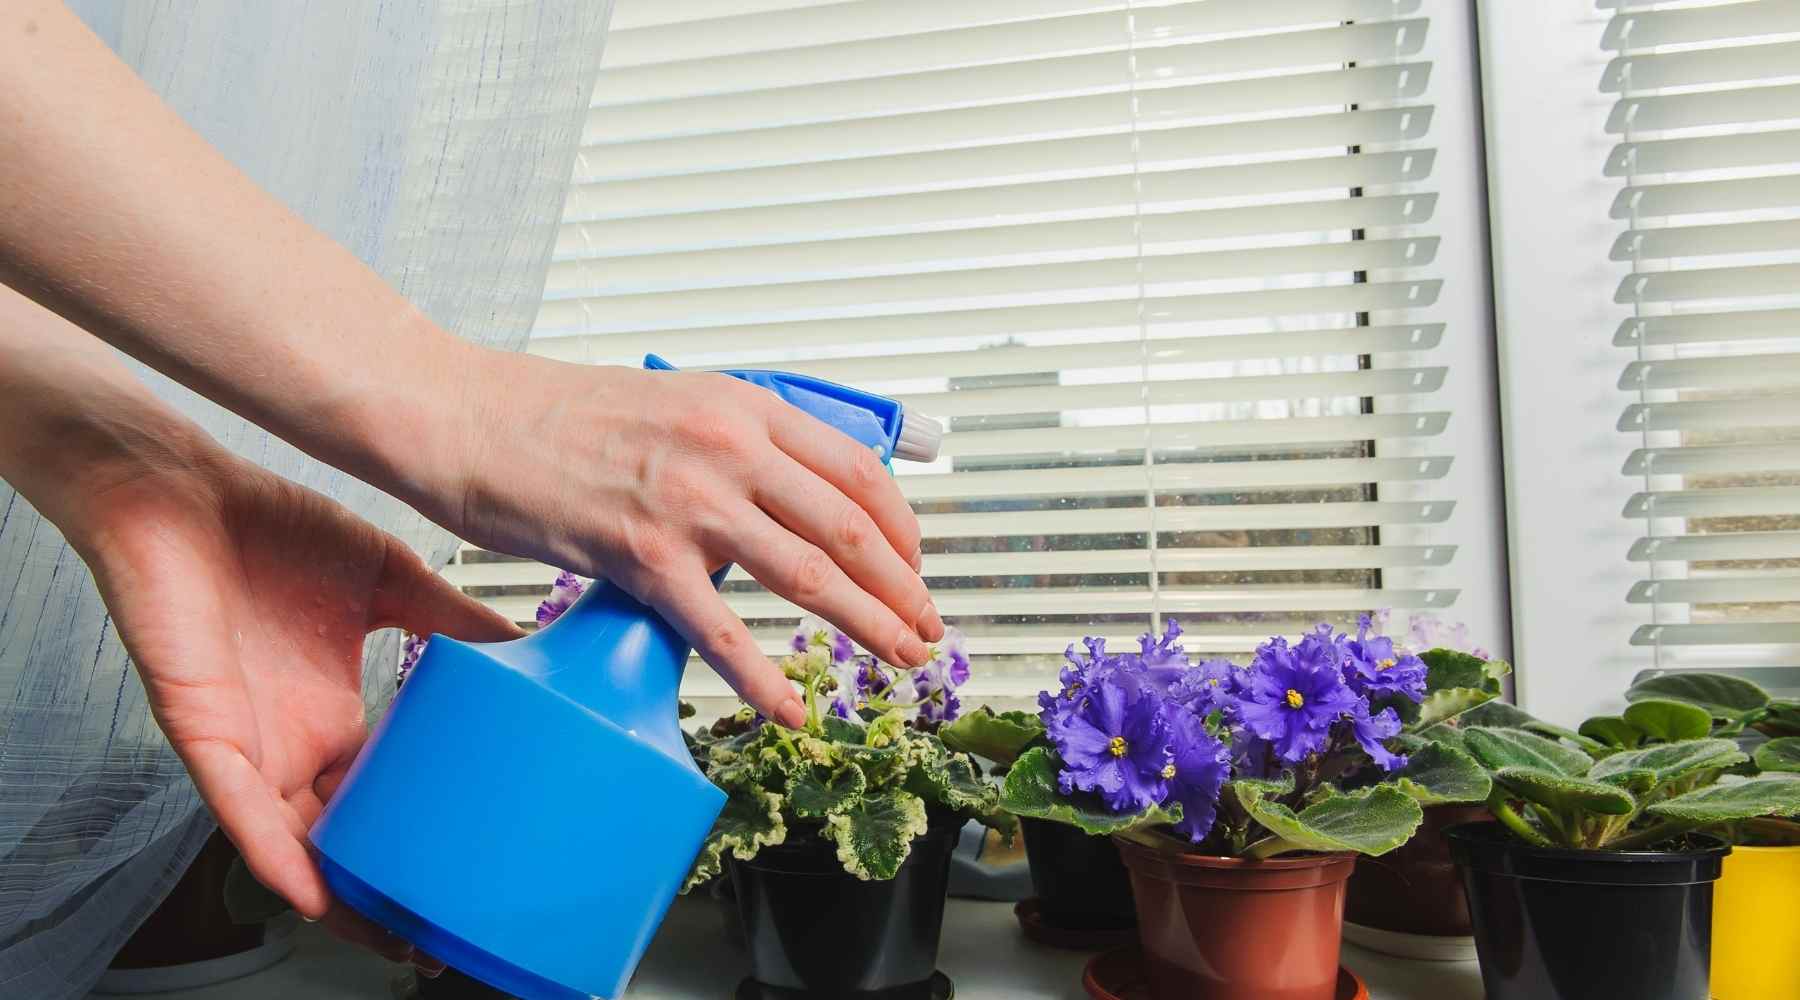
814,929
192,924
1216,928
1557,924
1756,925
1416,888
1080,882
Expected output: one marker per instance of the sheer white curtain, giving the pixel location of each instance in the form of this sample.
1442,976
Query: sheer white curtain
436,140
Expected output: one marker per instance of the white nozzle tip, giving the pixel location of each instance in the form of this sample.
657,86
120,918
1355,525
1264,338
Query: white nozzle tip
920,437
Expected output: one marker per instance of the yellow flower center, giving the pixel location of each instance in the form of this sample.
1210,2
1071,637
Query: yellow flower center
1117,746
1387,663
1168,771
1295,699
1212,682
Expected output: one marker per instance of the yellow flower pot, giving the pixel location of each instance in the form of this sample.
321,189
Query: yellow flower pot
1756,925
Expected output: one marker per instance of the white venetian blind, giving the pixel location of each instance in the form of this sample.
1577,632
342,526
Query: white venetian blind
1708,118
1152,262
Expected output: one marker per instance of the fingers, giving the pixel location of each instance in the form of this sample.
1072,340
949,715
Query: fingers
801,572
812,508
265,829
689,602
422,602
856,472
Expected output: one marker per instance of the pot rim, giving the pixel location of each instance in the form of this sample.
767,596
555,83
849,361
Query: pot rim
1489,847
1171,864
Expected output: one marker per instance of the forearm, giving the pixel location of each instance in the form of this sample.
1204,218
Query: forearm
116,215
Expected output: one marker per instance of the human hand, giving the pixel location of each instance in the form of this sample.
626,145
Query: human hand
244,600
654,479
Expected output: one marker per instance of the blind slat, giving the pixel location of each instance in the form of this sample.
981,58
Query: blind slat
1195,434
1719,634
1718,590
1693,197
1708,328
1705,152
1706,241
1693,67
1711,414
1637,30
1736,545
1714,460
1745,372
1712,107
1749,501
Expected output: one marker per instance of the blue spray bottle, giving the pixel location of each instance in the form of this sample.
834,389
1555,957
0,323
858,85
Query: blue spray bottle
527,810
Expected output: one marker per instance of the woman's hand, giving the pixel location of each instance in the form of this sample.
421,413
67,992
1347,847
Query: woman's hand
655,479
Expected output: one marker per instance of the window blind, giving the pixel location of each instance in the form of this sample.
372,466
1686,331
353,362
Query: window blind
1708,123
1163,268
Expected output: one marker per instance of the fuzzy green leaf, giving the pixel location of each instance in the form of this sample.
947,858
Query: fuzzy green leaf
1612,731
1668,721
1031,790
1371,822
1448,735
1783,718
1449,668
1593,748
1247,791
1500,748
1564,793
875,834
844,731
750,821
1671,762
1728,803
814,791
1781,754
1449,703
1440,775
1496,715
1000,738
1722,695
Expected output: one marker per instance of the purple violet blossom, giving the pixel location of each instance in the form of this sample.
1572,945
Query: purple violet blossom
1211,686
411,648
935,683
1202,765
1163,660
563,593
1370,730
1374,667
1295,693
1116,742
842,664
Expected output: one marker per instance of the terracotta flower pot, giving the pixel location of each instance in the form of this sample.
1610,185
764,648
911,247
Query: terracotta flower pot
1080,882
1217,928
1416,888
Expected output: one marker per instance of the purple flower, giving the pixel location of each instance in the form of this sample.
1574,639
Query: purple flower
1116,742
935,683
1295,693
1211,686
1374,667
1162,659
563,593
411,648
1371,730
842,664
1202,764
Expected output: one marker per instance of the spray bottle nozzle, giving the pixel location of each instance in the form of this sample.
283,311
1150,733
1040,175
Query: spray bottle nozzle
882,424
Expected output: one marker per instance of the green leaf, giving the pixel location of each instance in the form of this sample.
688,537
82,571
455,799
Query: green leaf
750,821
1449,703
1783,718
246,899
1448,735
1499,748
1612,731
1738,800
1668,721
844,731
1496,715
1000,738
1564,793
1449,668
1031,790
813,791
1371,822
1724,696
1781,754
1440,775
1672,762
875,834
1593,748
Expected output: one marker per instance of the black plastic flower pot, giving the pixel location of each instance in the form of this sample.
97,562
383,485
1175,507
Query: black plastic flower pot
815,930
1556,924
453,985
1080,882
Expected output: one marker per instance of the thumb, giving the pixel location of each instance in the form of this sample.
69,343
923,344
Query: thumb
411,596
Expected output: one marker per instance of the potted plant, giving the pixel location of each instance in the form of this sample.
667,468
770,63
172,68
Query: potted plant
837,836
1756,902
1410,902
1240,799
1593,845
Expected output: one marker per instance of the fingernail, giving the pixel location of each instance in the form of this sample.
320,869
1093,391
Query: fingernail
310,920
918,560
931,627
913,652
791,714
429,973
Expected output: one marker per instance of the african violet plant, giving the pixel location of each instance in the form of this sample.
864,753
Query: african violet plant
865,772
1296,752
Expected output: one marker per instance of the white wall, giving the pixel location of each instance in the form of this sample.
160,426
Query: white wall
1553,288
